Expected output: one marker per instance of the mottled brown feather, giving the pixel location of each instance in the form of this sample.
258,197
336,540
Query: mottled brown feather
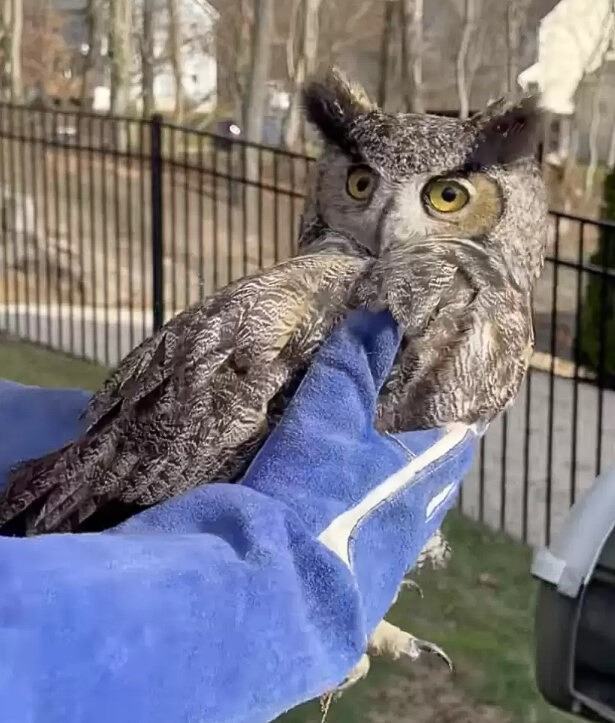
193,403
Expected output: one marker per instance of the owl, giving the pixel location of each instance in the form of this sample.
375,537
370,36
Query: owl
441,221
469,202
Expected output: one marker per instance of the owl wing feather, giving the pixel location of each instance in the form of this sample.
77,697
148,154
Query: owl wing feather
190,404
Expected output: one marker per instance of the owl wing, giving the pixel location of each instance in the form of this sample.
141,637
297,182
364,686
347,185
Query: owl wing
189,405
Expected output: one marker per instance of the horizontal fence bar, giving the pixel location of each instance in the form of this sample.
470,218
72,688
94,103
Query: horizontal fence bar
589,268
239,142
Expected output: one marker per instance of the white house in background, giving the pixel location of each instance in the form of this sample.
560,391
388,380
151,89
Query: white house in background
573,41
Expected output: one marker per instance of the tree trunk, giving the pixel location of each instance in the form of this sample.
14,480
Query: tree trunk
594,128
147,59
259,72
516,17
295,66
569,182
463,85
119,48
16,59
564,138
412,54
611,157
11,27
92,59
304,66
256,94
175,44
385,51
242,58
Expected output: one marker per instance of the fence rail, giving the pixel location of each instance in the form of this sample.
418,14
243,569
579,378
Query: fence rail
111,226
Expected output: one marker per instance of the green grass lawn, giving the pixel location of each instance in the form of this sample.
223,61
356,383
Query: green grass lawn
31,364
480,610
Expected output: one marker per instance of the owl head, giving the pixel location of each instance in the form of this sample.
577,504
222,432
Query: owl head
385,180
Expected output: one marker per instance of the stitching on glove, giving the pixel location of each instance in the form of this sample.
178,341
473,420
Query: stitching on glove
408,452
337,536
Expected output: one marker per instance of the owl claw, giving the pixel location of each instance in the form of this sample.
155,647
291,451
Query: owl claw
388,640
360,671
412,585
417,646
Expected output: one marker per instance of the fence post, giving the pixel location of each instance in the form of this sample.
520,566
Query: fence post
157,221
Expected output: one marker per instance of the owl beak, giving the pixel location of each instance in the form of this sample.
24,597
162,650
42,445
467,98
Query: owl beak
383,231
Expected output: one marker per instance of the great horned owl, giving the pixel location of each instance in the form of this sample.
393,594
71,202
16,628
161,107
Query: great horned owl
468,200
439,220
442,221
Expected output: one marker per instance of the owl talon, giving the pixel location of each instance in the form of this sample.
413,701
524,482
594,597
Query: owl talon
388,640
412,585
360,671
325,705
417,646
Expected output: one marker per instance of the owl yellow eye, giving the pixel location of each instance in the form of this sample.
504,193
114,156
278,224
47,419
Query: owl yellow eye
446,196
360,183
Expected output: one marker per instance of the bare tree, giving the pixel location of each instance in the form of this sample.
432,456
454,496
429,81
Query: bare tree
594,128
291,40
120,38
243,54
463,72
345,23
254,109
611,155
516,19
146,47
256,92
93,54
568,159
233,34
412,54
175,47
302,66
45,55
388,24
16,44
11,33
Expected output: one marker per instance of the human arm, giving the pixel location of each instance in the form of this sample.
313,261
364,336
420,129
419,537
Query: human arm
234,602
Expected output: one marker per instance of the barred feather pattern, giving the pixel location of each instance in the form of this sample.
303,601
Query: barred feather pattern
194,402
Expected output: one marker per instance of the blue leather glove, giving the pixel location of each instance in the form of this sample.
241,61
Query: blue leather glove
233,602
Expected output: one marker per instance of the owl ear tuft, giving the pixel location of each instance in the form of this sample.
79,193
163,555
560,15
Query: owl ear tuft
331,103
508,132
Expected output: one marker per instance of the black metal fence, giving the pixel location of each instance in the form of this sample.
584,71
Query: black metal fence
110,226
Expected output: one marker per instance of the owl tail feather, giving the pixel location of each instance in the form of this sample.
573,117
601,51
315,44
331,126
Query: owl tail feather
54,493
29,487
